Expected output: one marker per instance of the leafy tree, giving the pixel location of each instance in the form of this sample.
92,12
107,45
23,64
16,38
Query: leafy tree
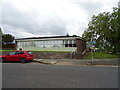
105,30
0,39
115,29
67,34
74,35
7,38
1,31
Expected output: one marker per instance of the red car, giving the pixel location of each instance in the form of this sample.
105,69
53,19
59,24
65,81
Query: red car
20,55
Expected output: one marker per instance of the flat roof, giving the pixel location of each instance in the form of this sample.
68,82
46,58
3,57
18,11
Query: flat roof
45,37
50,37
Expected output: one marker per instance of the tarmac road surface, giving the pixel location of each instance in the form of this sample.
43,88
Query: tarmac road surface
17,75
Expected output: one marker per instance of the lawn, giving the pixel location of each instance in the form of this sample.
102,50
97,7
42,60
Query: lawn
7,50
38,51
100,55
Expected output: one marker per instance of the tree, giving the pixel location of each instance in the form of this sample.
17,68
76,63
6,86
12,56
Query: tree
7,38
105,30
75,35
1,31
67,34
0,39
115,29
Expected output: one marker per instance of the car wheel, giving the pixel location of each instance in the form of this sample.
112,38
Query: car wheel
23,60
3,60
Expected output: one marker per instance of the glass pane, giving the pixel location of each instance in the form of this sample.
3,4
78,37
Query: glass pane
12,53
29,52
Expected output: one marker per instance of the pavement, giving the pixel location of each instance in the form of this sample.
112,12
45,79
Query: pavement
113,61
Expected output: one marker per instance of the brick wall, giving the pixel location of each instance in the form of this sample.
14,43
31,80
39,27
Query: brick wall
53,55
81,46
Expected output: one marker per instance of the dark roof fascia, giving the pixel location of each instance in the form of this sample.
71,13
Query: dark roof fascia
45,37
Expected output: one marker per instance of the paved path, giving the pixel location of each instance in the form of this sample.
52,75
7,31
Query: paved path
78,62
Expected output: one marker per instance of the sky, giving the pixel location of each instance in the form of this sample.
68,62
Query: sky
39,18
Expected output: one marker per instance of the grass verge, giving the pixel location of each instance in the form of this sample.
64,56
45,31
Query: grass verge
7,50
38,51
53,51
100,55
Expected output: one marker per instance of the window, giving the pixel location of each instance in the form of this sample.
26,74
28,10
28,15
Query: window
29,52
66,43
74,43
70,43
19,52
11,53
47,44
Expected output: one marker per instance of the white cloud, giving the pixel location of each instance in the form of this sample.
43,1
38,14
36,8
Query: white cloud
27,18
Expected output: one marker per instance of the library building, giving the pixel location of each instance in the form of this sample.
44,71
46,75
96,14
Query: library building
54,43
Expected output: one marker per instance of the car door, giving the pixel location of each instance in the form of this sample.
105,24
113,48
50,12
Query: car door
19,55
10,56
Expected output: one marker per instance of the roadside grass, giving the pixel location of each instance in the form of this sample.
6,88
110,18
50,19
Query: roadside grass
100,55
38,51
53,51
6,50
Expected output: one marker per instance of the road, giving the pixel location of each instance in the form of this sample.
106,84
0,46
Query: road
33,75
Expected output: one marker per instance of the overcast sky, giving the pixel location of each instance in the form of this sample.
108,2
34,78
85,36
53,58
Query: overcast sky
33,18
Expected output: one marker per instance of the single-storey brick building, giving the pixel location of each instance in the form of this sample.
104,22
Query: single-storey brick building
55,43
